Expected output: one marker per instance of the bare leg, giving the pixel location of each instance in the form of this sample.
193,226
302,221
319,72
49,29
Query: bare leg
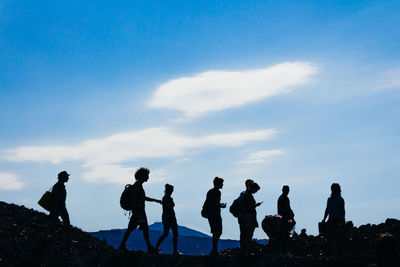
175,237
215,239
242,237
131,226
163,236
146,236
65,217
250,238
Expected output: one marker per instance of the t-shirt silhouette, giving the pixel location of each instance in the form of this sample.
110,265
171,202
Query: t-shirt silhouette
335,207
213,201
284,208
168,208
59,195
139,197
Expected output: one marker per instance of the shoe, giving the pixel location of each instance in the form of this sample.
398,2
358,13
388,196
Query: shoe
152,250
177,253
213,253
123,248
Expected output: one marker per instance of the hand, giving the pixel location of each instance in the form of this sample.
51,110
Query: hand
259,203
223,205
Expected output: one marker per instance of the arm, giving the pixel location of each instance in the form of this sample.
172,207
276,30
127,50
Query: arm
153,200
253,204
325,215
218,200
343,210
291,213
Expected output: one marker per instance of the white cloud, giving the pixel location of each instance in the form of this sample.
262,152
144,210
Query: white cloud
118,174
217,90
261,156
10,181
389,79
105,157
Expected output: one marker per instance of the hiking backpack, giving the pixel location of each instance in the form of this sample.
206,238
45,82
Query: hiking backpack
126,200
204,210
236,206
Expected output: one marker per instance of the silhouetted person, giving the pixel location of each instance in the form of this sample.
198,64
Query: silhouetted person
169,219
213,206
336,212
303,233
248,216
58,197
138,217
285,211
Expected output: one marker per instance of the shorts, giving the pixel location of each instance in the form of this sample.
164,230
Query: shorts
215,224
138,219
169,222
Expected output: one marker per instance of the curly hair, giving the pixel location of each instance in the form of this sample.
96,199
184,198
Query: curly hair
141,173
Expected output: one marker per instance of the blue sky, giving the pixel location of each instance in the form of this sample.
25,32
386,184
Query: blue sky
302,93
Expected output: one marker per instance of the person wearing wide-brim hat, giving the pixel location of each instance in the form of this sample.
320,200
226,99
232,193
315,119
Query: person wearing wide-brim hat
59,195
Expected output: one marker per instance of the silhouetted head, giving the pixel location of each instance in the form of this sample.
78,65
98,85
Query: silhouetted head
169,189
336,190
254,188
142,174
285,190
218,182
63,176
248,184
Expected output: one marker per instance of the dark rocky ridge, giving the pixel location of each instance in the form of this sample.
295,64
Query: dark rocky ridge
26,241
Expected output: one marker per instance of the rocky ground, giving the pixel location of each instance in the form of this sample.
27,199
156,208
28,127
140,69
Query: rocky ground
26,240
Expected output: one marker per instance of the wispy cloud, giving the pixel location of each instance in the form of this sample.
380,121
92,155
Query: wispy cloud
105,157
389,79
119,174
10,181
261,156
217,90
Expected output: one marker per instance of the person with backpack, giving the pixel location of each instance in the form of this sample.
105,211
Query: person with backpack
169,219
248,215
58,197
212,211
138,197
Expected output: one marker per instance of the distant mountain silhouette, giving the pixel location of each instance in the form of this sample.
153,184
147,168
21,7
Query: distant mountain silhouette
191,242
183,231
